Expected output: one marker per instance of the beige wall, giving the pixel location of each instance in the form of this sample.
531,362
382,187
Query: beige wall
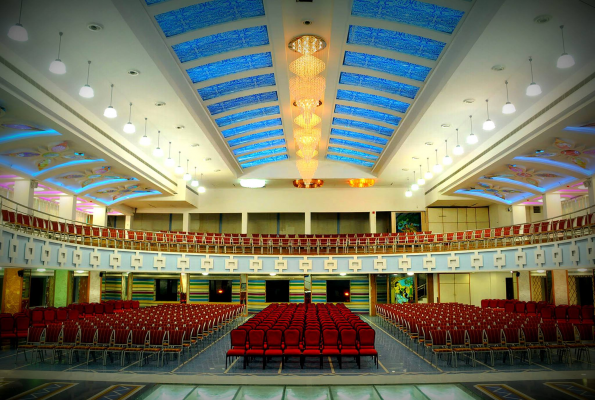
382,222
262,223
151,222
354,222
231,223
291,223
204,223
471,288
324,223
442,220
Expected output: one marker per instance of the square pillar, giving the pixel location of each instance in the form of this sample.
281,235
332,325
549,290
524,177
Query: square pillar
83,289
519,215
524,286
94,287
560,286
100,216
393,222
12,291
67,207
244,222
62,288
128,219
552,205
372,294
186,221
23,194
308,223
372,221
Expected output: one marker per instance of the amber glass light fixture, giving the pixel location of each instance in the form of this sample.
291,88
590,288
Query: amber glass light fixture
361,182
314,183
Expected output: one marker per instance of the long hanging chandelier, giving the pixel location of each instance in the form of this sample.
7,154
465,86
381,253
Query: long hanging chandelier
307,90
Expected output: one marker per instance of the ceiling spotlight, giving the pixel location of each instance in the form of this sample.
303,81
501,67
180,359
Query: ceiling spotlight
445,126
205,273
533,89
57,66
421,181
429,143
414,186
133,72
145,140
428,175
252,183
110,112
179,170
40,269
94,27
565,60
437,167
169,162
80,272
87,91
508,108
194,182
540,271
582,270
446,160
469,101
458,150
272,274
187,175
17,31
471,139
129,127
488,125
157,152
342,274
410,273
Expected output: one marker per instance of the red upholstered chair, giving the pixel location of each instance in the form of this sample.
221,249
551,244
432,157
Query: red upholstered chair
37,318
62,315
35,338
292,338
7,331
330,344
519,307
574,314
256,349
531,308
311,345
274,345
547,313
52,339
21,326
98,309
121,340
89,310
175,345
587,315
108,308
366,344
349,345
238,345
560,314
509,307
485,303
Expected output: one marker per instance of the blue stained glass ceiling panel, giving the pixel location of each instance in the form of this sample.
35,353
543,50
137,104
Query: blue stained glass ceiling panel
386,65
206,14
396,41
238,130
372,100
259,146
367,114
237,85
256,136
243,101
221,43
246,115
357,145
258,154
383,85
230,66
336,157
151,2
350,152
265,161
364,126
358,136
410,12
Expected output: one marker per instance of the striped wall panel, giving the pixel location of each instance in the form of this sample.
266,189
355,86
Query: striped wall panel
198,291
256,295
360,301
143,290
235,291
318,291
296,291
381,291
111,286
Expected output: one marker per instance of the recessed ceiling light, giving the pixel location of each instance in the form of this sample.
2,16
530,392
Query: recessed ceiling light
540,271
180,127
542,19
307,22
469,100
160,103
415,158
208,159
217,170
94,27
445,125
429,143
405,169
133,72
499,67
194,145
582,270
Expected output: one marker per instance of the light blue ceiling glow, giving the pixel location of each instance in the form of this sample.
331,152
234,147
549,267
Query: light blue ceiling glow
243,101
221,43
357,145
205,14
265,161
364,126
238,130
336,157
367,114
350,152
151,2
358,136
237,85
372,100
230,66
256,136
383,85
259,146
246,115
410,12
262,153
27,135
386,65
418,46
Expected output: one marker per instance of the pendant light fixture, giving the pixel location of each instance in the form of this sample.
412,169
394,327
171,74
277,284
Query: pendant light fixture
201,189
437,167
471,139
194,182
187,175
157,152
129,127
421,181
458,150
169,161
408,192
565,60
17,31
488,125
145,140
179,170
415,186
446,160
533,89
57,66
428,175
87,91
508,108
110,111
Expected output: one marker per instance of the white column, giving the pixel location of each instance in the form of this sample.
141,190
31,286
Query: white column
372,221
186,221
560,286
308,223
128,221
590,185
552,205
524,285
23,194
67,207
100,216
94,286
519,215
393,222
244,222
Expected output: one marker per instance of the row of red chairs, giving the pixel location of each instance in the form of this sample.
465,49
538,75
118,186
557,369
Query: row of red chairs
574,314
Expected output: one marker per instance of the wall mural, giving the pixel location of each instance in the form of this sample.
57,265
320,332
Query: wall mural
520,173
566,151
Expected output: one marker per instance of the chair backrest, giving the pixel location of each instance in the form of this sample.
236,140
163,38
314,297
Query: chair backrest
560,312
292,338
438,337
176,338
311,339
256,339
512,335
587,313
585,332
567,332
36,334
71,334
519,307
104,336
494,336
367,338
88,335
7,324
274,338
139,337
122,336
458,337
348,338
21,323
549,333
157,337
238,338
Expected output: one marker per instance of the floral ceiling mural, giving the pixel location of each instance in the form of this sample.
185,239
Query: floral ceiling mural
83,179
490,191
522,174
566,152
113,194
